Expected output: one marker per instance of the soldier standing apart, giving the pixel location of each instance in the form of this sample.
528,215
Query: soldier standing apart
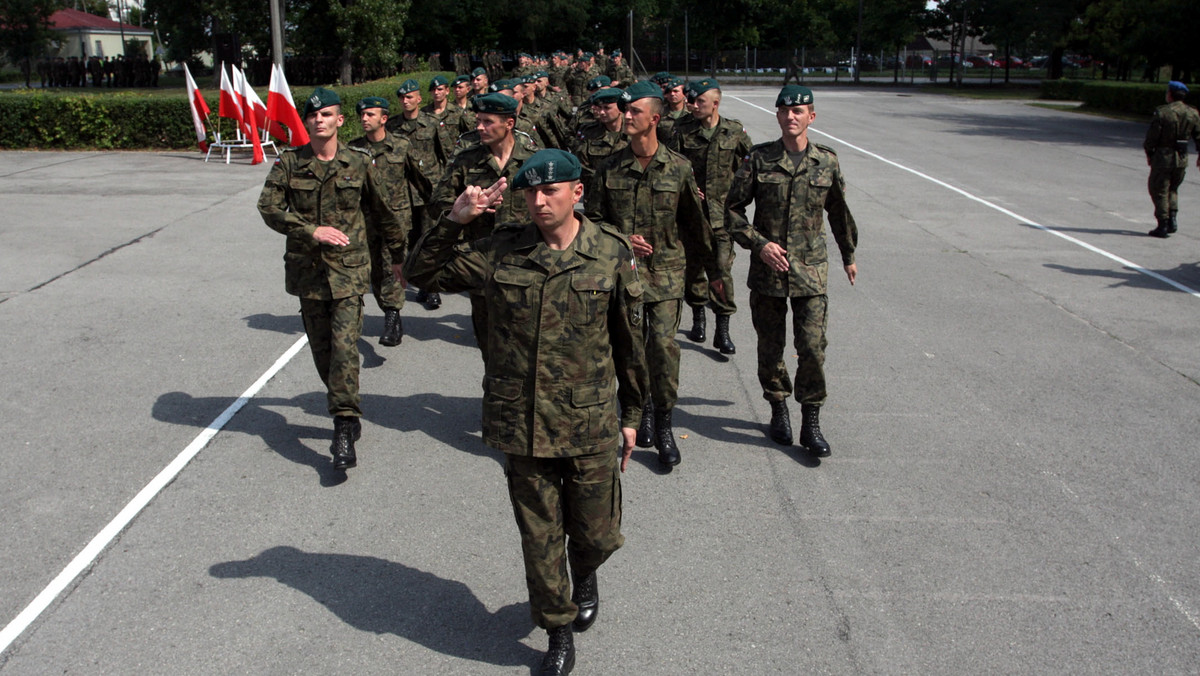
790,181
396,169
496,156
1166,153
324,197
716,147
421,130
649,193
564,383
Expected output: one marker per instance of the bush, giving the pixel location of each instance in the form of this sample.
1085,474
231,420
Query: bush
1135,98
136,120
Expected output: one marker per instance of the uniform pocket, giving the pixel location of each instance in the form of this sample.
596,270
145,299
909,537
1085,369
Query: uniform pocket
349,193
589,298
503,408
515,294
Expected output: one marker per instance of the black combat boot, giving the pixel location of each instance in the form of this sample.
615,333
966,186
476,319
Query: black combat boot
1172,225
699,325
810,431
664,439
393,329
1163,230
346,430
721,339
587,597
781,423
422,295
560,656
645,435
434,301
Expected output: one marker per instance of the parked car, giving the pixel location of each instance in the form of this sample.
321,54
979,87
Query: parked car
980,61
944,62
918,61
1013,62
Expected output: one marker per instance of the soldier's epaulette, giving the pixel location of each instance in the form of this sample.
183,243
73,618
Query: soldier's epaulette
759,147
615,232
826,148
734,123
360,149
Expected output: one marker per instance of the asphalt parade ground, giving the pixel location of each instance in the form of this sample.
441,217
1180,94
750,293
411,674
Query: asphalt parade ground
1014,413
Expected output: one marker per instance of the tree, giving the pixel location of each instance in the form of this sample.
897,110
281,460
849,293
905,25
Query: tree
373,29
25,31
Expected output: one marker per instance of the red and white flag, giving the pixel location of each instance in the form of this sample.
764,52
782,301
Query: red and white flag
281,109
230,107
199,109
247,96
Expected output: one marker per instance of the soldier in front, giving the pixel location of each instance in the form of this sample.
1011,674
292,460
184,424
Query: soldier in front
564,378
324,196
1166,153
791,181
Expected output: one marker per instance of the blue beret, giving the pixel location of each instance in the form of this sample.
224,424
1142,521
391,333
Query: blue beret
547,166
408,87
1175,86
438,81
321,98
371,102
794,95
500,104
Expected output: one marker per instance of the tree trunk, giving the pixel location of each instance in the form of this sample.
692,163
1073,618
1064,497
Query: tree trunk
345,65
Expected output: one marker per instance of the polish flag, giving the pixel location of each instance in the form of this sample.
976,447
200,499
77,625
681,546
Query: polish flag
249,122
281,109
199,109
229,108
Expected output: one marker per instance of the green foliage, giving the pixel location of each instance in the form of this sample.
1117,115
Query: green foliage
25,28
1136,98
134,121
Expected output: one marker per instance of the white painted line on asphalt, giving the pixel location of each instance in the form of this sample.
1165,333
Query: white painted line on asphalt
1021,219
86,557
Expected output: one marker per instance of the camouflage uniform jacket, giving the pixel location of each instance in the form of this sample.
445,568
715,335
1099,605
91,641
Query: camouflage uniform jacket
422,134
565,338
788,200
477,166
594,143
621,73
1166,140
451,125
396,170
666,125
660,203
715,160
471,139
300,194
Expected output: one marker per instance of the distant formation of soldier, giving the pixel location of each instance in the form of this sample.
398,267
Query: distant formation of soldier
119,71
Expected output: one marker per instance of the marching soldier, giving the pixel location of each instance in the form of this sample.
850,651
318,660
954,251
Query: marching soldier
564,381
325,198
1166,153
676,108
602,138
791,181
649,193
716,147
619,70
496,156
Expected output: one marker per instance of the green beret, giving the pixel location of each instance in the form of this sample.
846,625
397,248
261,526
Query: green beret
477,72
642,89
794,95
588,55
547,166
541,74
321,98
371,102
499,85
408,87
461,79
438,81
598,82
616,52
661,76
672,82
701,86
500,104
607,95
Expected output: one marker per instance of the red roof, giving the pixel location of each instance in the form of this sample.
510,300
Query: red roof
71,19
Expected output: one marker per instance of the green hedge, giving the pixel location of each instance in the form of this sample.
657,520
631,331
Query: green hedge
1136,98
135,120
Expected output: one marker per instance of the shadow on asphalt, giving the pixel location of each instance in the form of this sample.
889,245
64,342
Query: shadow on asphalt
1078,130
1187,274
384,597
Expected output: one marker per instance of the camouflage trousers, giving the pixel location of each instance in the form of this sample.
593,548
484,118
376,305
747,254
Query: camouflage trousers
388,292
1164,190
698,293
479,321
568,510
662,351
809,319
333,328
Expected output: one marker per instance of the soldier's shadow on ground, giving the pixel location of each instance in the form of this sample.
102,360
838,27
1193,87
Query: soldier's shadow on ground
384,597
1187,274
705,349
419,324
451,421
733,434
